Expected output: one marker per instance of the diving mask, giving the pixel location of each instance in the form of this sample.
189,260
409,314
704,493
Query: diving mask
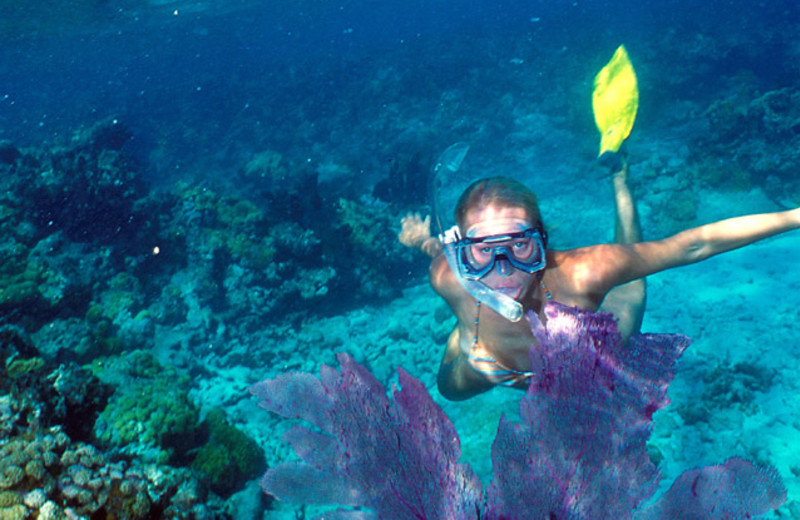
510,239
524,250
503,305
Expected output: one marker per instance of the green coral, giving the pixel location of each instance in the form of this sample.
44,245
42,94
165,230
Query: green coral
151,413
361,224
18,292
22,283
370,244
256,252
15,512
22,367
232,224
229,458
122,298
9,498
94,314
103,332
121,304
132,366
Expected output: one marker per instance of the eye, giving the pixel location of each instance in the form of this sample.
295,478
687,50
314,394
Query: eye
521,245
481,251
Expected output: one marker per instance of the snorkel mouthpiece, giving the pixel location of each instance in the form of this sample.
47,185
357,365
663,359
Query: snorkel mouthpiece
504,305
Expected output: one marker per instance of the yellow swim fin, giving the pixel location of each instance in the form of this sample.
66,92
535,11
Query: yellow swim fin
615,101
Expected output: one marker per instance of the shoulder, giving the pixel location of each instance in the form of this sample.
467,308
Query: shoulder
581,255
576,264
446,285
442,278
582,275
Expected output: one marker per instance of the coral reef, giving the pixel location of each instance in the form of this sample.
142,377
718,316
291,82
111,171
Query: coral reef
28,286
71,212
46,395
150,417
364,230
406,183
46,475
287,192
99,272
229,458
247,263
150,414
727,385
47,468
88,188
756,134
212,222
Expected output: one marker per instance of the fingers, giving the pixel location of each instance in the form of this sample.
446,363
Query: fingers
414,229
415,219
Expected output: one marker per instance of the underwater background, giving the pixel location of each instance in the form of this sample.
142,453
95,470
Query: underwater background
196,196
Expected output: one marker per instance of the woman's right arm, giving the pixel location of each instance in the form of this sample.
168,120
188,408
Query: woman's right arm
416,233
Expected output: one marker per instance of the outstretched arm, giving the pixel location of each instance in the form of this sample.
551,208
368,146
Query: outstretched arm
706,241
617,264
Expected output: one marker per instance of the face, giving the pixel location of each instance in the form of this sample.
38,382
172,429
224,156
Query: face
498,220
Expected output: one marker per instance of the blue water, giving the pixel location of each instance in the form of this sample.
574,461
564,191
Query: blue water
348,93
163,66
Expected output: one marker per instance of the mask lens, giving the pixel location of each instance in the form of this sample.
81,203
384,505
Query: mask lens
524,250
480,255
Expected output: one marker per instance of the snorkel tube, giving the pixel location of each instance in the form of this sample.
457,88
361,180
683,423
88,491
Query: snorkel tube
507,307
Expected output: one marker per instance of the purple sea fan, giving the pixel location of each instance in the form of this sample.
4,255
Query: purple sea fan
397,457
736,489
579,451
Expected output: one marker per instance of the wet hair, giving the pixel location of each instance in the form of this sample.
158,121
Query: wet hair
497,191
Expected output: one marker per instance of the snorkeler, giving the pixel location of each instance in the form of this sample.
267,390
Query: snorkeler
501,244
493,266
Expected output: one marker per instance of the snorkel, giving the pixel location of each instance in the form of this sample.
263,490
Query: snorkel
449,163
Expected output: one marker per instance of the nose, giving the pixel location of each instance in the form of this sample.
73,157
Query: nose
504,267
